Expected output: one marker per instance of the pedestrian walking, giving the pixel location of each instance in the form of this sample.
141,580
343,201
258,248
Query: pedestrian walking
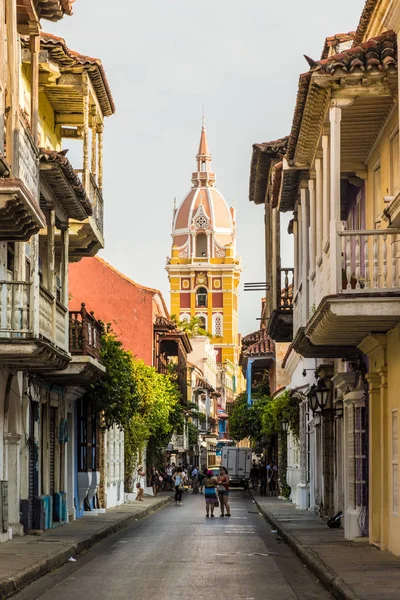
168,474
179,480
263,478
195,481
223,492
202,476
140,484
155,480
210,493
254,475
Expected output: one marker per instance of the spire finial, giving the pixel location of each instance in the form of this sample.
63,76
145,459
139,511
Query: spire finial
203,117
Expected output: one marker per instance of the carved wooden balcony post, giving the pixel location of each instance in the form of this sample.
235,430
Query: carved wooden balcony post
84,329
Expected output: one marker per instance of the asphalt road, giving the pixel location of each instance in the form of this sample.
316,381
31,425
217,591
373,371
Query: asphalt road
178,554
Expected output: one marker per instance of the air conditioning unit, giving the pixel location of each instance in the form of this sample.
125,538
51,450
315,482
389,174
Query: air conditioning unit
4,506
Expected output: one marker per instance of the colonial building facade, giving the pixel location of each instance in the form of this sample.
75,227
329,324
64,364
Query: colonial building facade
338,172
50,214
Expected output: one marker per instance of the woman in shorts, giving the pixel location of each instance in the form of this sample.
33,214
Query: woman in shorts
223,492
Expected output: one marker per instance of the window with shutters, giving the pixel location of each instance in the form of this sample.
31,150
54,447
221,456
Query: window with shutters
217,329
395,463
360,449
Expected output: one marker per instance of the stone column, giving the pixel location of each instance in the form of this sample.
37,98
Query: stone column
269,301
325,191
304,255
375,459
312,246
374,346
319,209
13,442
335,117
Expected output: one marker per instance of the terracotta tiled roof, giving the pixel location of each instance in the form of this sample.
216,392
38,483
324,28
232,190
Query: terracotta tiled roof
53,10
69,59
276,184
364,22
377,53
164,323
290,189
258,343
336,40
65,183
261,159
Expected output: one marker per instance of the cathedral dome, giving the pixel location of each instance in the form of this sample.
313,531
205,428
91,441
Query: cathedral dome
203,213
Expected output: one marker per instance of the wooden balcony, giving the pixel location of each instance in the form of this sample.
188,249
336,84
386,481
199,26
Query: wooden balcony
20,213
86,237
366,278
85,366
33,331
280,324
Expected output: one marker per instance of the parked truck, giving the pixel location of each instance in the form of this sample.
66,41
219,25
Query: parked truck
238,463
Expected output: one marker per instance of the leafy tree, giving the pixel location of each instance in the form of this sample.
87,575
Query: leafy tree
113,394
192,327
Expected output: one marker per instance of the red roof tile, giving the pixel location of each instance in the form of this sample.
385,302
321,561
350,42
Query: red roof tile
365,19
377,53
263,155
258,343
68,58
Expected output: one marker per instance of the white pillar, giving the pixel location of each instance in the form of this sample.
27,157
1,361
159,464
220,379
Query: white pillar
335,116
311,192
325,190
319,208
304,255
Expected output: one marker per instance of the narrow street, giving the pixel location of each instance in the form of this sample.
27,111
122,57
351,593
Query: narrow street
178,553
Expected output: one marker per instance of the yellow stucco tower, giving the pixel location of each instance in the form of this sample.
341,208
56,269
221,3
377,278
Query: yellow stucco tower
204,270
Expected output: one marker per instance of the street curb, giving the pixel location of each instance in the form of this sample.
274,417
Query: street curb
329,579
11,585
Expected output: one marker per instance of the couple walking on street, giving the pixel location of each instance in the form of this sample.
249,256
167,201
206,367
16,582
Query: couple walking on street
216,492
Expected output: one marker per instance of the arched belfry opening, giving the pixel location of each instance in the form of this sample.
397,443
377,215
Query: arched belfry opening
201,245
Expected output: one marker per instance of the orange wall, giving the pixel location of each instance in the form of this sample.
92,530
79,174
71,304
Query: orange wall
129,307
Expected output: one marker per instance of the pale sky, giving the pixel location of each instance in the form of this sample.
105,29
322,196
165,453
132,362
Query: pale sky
164,59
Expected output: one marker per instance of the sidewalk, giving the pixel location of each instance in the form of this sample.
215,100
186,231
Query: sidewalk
25,559
349,570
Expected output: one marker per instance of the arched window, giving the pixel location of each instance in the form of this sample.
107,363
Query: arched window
201,245
185,317
201,297
202,321
217,325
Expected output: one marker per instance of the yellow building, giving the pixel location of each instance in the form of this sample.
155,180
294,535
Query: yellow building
204,269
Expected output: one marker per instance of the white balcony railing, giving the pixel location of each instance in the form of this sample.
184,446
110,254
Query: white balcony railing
14,309
370,260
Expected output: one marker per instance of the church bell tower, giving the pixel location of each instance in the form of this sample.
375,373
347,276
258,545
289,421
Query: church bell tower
204,269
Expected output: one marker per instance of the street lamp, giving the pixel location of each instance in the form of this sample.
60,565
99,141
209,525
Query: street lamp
285,425
107,422
312,399
322,393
